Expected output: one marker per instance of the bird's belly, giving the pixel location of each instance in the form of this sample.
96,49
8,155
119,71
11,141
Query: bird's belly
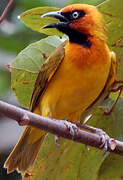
72,91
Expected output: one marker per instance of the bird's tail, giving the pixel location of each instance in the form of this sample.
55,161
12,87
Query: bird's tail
26,150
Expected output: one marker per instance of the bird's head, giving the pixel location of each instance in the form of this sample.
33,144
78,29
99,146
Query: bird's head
78,19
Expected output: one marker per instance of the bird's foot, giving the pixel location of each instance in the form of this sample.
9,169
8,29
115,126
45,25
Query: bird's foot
72,128
105,141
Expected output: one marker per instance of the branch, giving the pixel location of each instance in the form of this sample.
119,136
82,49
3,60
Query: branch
6,10
57,127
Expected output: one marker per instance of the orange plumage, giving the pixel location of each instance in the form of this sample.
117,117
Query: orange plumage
72,78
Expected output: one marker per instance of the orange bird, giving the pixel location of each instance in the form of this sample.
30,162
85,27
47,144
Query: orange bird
75,76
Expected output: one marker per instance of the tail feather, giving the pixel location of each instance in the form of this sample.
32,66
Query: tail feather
24,153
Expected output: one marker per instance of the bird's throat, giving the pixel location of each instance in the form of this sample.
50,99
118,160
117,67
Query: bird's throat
74,35
80,38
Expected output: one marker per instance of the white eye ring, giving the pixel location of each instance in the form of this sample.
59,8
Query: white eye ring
75,15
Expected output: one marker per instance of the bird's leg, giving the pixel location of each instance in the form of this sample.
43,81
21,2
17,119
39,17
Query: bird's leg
105,141
115,89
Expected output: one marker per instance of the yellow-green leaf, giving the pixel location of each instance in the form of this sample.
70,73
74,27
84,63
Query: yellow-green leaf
112,168
32,18
113,14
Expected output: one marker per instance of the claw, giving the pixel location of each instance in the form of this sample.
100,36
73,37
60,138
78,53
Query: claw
106,141
57,140
73,129
87,147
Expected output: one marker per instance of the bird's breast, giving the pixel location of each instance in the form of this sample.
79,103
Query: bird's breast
78,81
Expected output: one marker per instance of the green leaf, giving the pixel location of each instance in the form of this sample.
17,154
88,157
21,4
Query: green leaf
93,2
112,168
22,83
113,14
25,67
32,18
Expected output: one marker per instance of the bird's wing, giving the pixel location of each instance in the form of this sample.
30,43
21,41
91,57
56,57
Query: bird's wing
46,72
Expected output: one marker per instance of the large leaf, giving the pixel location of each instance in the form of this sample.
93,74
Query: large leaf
113,14
25,67
32,18
93,2
112,168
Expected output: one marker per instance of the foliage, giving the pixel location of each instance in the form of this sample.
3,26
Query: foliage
32,18
113,14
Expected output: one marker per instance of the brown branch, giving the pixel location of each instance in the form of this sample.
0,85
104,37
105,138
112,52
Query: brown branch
6,10
58,127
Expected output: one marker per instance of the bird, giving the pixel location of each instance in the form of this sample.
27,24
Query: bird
79,73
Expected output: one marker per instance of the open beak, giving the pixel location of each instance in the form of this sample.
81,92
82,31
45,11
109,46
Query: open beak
57,15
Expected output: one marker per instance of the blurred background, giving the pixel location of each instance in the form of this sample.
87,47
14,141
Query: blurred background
15,36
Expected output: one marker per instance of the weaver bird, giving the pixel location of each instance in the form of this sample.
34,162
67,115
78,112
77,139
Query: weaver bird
74,77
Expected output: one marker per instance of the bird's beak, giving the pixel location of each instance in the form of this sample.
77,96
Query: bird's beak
57,15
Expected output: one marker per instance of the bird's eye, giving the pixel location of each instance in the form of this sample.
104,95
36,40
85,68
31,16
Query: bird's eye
75,15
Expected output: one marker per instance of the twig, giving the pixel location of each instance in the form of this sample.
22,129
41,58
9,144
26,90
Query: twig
6,10
57,127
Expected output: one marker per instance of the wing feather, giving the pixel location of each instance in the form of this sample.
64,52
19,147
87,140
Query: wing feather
46,72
